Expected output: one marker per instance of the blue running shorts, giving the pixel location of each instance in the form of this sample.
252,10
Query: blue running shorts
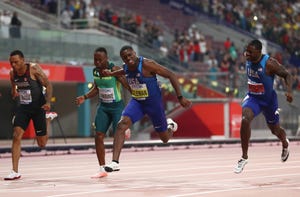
153,107
269,109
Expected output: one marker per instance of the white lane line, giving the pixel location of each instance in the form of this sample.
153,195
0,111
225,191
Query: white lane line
128,183
282,186
180,195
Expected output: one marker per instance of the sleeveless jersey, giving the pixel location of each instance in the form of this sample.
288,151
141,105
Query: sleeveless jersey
30,91
143,88
260,85
109,87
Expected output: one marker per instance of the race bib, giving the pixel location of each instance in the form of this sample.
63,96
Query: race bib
256,88
139,91
25,96
107,95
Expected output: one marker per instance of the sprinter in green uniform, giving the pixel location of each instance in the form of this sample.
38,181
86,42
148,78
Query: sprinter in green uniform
110,103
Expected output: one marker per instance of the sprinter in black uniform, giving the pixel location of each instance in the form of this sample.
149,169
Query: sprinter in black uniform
27,82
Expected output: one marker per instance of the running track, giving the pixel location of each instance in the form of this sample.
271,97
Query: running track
175,171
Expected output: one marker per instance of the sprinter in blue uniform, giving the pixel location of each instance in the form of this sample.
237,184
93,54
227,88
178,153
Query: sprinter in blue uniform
141,74
261,70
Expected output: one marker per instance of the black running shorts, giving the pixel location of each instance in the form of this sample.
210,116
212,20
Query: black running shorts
38,116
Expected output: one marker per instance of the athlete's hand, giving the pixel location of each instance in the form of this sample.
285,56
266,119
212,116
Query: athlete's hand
46,106
79,100
185,102
106,73
289,97
14,94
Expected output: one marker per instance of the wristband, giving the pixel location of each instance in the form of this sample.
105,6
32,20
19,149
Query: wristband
179,97
85,97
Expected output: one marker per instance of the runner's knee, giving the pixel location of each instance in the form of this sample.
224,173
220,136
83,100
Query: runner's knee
99,136
42,141
124,124
245,120
18,133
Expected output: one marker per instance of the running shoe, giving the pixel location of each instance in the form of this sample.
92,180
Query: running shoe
285,152
127,134
100,174
113,166
51,115
240,165
172,125
12,176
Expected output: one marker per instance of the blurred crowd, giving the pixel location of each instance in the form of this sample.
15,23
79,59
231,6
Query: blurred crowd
73,11
276,20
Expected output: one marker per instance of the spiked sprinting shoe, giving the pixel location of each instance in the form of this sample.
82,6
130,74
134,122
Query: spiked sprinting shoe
113,166
100,174
240,165
12,176
51,115
172,125
285,152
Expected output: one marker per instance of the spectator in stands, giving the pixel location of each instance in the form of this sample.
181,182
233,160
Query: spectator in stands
227,44
66,18
213,68
225,66
294,73
261,70
173,52
15,26
90,11
138,20
196,51
115,20
27,82
184,56
164,49
212,61
295,52
233,52
203,49
5,19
